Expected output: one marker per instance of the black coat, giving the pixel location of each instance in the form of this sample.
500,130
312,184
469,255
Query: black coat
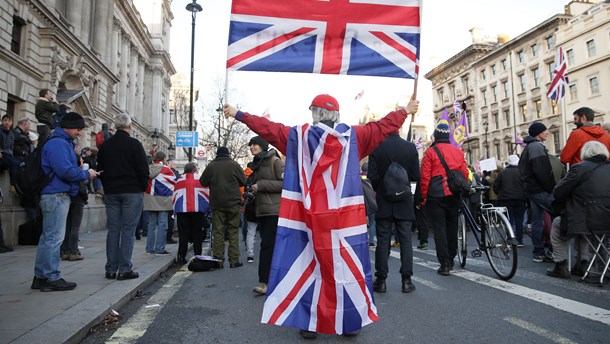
509,186
582,198
22,145
535,167
405,153
123,162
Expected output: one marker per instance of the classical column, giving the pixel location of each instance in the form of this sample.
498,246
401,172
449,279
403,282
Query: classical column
74,12
140,89
146,119
100,34
115,47
156,94
124,70
86,19
132,86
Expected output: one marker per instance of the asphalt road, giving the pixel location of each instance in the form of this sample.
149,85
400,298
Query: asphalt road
471,306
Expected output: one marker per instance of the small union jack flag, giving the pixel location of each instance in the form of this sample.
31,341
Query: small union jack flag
356,37
320,275
163,183
559,79
457,108
190,196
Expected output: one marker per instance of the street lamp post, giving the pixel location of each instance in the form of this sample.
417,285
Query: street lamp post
486,126
193,7
171,151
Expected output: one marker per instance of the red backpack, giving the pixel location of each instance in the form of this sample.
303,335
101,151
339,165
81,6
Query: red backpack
99,138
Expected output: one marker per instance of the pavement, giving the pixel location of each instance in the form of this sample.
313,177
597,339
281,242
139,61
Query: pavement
29,316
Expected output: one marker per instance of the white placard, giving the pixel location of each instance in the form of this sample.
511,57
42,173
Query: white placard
488,164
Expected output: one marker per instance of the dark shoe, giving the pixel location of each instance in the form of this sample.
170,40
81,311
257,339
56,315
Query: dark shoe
180,259
560,270
138,236
236,265
542,259
164,253
444,270
4,249
37,282
127,275
379,285
451,265
308,334
110,275
58,285
64,255
75,256
171,241
407,285
422,245
250,259
580,269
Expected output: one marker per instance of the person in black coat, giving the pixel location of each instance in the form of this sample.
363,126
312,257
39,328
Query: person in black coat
398,214
511,194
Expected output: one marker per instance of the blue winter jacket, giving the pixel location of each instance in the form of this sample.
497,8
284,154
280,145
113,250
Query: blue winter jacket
59,161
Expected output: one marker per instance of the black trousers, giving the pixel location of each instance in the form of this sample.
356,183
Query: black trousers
268,228
444,212
190,228
382,251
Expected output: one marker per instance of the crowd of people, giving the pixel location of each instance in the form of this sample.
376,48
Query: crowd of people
303,193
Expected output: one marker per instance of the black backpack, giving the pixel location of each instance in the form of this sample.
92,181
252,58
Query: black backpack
396,182
456,181
30,179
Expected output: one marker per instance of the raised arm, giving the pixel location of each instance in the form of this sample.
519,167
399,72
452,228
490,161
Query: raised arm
274,133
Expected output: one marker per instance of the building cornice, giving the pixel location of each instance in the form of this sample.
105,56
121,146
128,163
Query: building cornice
459,58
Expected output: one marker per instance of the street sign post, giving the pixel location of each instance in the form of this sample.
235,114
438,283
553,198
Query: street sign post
187,139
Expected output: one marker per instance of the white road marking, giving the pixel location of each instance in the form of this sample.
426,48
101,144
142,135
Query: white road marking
137,325
539,331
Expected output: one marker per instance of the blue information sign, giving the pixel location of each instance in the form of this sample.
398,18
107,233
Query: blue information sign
187,139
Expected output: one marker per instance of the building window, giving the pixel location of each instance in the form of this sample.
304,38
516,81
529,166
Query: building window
505,89
440,97
507,117
591,48
521,56
534,48
570,55
498,152
483,75
504,65
536,74
551,67
550,43
523,112
594,86
494,117
573,92
494,93
538,105
17,35
522,82
493,69
557,143
484,95
554,108
465,84
452,90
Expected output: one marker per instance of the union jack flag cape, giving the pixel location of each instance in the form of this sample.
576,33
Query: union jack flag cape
356,37
162,184
559,78
320,274
190,196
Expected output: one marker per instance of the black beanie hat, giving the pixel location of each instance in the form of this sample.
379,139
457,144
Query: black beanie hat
72,120
441,132
257,140
536,128
222,152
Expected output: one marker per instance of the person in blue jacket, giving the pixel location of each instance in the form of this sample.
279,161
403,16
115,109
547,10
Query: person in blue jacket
58,161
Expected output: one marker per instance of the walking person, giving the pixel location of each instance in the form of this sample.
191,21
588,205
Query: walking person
158,203
124,175
394,211
267,179
248,217
441,204
511,194
190,203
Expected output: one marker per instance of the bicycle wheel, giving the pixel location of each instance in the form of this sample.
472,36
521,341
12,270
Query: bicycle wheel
462,249
500,251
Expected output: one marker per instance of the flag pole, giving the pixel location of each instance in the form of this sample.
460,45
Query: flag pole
414,95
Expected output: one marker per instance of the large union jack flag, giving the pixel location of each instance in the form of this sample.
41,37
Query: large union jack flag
190,196
320,275
559,78
162,184
357,37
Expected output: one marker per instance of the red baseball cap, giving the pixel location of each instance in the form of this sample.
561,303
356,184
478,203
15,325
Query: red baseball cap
325,101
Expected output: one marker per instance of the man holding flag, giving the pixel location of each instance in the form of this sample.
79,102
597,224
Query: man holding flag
321,253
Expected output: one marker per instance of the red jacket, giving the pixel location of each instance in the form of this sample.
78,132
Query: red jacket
571,152
432,167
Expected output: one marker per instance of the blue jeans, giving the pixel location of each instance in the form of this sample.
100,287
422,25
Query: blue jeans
122,216
54,214
539,203
157,231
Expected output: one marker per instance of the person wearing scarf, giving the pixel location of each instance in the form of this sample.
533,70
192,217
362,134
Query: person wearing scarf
321,250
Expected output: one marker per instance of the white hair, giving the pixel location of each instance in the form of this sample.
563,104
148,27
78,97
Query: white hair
593,148
319,114
122,121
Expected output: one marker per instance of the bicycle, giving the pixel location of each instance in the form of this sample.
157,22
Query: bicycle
493,233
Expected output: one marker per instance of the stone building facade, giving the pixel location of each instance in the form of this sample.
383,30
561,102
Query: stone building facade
504,82
101,57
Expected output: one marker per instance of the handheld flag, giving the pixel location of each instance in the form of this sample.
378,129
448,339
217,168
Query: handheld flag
559,79
460,133
457,108
364,37
445,119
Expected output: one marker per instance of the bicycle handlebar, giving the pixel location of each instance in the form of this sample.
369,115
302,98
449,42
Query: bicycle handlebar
479,188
